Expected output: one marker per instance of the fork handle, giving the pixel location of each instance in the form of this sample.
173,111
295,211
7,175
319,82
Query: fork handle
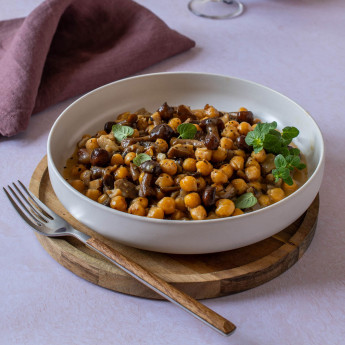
164,289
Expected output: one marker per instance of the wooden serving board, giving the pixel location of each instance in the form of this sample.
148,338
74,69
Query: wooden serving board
200,276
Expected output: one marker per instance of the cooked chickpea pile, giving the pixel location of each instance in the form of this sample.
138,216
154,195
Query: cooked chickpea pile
184,179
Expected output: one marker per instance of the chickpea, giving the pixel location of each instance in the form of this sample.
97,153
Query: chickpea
155,212
226,143
178,178
179,203
198,128
167,204
188,183
168,166
116,159
174,123
240,185
189,164
233,123
162,145
121,172
276,194
290,189
141,176
219,155
264,200
202,153
201,183
243,109
227,169
95,184
225,208
192,200
149,151
198,213
164,180
260,156
244,128
78,185
137,209
118,203
135,134
141,200
129,157
218,176
239,152
91,144
177,215
237,162
150,128
256,185
93,194
77,170
204,167
252,162
211,111
104,198
237,212
230,132
219,187
252,173
241,174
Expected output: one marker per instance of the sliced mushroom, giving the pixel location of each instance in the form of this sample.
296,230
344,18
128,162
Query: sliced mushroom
84,156
242,145
209,196
162,131
156,118
242,116
195,143
227,193
131,119
135,171
145,186
128,189
99,157
131,141
151,167
184,113
181,151
96,172
166,112
212,126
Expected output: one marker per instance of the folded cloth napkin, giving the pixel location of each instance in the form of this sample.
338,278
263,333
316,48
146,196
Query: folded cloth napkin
67,47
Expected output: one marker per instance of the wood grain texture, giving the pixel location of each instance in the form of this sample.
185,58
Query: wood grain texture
168,290
200,276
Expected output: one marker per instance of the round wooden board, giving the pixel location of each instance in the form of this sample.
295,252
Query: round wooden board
200,276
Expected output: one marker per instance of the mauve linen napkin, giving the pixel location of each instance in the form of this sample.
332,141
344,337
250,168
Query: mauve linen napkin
67,47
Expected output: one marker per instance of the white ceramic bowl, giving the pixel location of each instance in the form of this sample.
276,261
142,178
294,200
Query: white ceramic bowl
89,113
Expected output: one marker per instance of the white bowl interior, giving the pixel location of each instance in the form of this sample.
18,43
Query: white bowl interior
90,112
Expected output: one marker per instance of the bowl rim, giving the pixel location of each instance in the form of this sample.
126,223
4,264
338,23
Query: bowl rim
169,221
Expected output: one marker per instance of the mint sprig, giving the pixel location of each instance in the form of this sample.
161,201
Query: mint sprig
122,132
186,131
256,138
284,165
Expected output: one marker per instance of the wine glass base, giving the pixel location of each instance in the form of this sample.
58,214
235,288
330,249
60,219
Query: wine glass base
216,9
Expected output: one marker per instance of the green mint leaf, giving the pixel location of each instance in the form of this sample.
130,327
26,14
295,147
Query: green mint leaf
246,200
250,138
272,143
284,151
289,133
186,131
294,151
280,161
292,161
289,180
258,148
122,132
301,166
141,158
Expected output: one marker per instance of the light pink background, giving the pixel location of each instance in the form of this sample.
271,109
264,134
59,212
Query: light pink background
294,46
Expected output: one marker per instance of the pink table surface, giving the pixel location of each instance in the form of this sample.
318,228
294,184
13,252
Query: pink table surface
295,47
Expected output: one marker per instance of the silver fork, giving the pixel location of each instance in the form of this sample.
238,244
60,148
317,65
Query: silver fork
47,223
